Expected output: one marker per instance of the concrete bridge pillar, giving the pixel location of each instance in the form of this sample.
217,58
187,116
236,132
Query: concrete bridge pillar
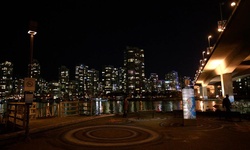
204,92
227,85
217,90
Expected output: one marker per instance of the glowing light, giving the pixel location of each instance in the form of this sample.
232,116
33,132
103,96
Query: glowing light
32,32
220,29
208,50
221,25
233,4
202,105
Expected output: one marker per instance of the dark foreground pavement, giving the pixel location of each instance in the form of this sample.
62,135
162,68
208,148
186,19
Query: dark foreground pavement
147,131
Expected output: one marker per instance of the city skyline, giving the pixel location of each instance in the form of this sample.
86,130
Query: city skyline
96,33
72,74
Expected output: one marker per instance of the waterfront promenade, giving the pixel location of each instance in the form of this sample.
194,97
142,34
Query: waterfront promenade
137,131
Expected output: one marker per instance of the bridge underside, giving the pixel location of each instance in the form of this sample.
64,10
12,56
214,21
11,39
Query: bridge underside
231,53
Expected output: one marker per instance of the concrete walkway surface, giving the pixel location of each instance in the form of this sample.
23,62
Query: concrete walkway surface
145,131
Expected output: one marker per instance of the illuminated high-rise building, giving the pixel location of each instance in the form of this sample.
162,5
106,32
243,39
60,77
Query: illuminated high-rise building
54,89
153,81
81,72
121,80
242,88
6,79
18,88
87,81
73,90
35,70
110,79
107,78
134,70
64,81
172,81
92,81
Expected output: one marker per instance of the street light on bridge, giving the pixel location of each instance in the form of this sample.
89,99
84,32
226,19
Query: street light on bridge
209,44
222,23
203,55
201,62
233,4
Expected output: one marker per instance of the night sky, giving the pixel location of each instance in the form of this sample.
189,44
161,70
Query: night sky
173,34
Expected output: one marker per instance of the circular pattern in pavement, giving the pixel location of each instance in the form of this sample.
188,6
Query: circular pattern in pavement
110,135
200,125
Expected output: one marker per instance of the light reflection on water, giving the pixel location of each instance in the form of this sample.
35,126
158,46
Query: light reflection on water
2,108
103,107
116,106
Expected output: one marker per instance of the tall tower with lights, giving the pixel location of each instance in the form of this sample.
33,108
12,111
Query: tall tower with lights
6,81
134,70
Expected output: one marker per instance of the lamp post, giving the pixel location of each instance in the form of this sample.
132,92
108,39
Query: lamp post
221,23
29,82
203,55
209,44
221,18
32,34
208,38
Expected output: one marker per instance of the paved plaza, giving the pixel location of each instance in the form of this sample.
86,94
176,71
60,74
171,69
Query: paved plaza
146,130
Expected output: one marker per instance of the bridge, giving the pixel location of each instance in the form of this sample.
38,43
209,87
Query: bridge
229,58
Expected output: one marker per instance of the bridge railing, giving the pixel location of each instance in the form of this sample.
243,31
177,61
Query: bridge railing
15,114
68,108
16,111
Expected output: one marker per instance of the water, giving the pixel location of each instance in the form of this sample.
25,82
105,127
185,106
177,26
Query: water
116,107
104,106
2,110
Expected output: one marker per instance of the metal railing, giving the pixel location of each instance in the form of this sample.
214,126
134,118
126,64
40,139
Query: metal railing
16,111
